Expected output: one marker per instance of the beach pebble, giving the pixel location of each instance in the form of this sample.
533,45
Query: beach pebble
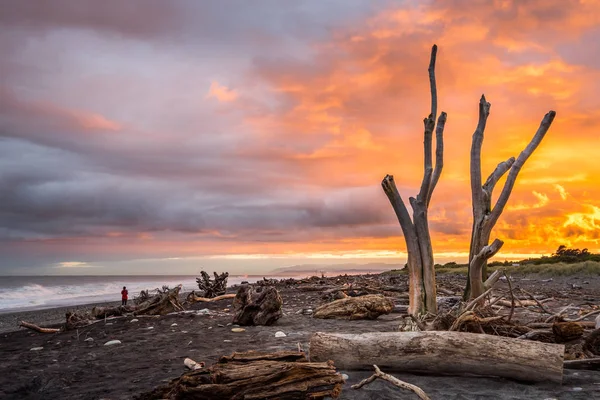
598,322
577,389
108,323
227,341
210,327
89,339
221,325
346,377
280,334
111,342
226,310
237,330
229,324
174,324
204,311
134,320
36,348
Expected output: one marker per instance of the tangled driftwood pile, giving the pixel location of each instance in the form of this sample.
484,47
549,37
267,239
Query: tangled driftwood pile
212,287
283,375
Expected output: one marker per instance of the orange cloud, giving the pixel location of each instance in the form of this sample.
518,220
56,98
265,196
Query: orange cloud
221,93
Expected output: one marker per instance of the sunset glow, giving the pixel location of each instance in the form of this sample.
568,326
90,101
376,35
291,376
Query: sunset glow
262,130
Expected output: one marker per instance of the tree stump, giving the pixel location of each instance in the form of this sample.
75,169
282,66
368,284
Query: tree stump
567,331
592,343
210,287
163,302
283,375
257,305
364,307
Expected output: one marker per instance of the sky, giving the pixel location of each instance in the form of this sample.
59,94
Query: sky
149,137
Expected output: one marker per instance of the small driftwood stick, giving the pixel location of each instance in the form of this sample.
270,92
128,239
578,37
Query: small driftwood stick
587,363
544,309
394,381
37,328
583,316
512,298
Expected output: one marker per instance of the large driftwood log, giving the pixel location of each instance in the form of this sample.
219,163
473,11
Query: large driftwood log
451,353
257,305
421,270
364,307
210,287
283,376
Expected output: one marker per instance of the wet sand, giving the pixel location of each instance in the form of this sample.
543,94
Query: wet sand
153,349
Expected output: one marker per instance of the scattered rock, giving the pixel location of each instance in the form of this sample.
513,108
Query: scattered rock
566,331
238,330
89,339
280,334
576,286
111,342
307,311
227,341
174,324
598,322
134,320
36,348
204,311
346,377
221,325
150,327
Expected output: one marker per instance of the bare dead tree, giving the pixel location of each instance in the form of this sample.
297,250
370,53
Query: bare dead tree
422,291
484,215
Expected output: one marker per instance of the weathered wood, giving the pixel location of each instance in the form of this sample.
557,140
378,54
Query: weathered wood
484,215
592,343
212,287
588,363
162,303
37,328
192,298
567,331
252,375
476,267
433,352
421,270
364,307
257,305
394,381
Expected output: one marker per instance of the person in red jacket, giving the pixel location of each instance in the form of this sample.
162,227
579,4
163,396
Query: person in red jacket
124,294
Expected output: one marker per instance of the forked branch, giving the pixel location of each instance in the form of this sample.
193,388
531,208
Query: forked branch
484,112
516,167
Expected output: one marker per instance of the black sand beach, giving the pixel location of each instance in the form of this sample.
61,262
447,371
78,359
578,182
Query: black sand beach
77,365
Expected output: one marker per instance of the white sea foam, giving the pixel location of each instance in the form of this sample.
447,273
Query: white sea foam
32,293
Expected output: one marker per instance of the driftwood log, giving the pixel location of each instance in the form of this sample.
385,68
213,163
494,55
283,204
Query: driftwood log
452,353
163,302
364,307
192,298
257,305
212,287
37,328
284,375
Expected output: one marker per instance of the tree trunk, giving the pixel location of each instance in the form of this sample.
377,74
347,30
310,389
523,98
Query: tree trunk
283,376
364,307
484,215
434,352
422,286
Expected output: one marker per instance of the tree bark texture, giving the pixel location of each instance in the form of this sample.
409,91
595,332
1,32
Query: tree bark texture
422,287
485,215
284,375
370,306
434,352
257,305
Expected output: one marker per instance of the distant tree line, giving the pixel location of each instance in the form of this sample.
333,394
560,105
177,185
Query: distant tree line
562,255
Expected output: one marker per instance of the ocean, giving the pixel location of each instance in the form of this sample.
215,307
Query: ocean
25,293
